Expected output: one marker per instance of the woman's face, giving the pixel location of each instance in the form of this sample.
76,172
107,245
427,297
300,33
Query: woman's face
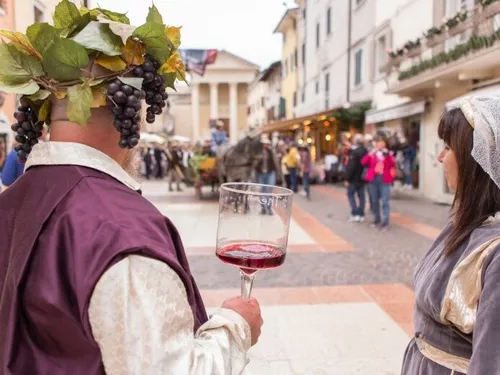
381,144
447,158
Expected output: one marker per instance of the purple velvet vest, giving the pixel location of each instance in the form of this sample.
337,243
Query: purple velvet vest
61,228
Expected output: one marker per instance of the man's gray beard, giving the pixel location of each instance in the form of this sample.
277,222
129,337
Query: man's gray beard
132,163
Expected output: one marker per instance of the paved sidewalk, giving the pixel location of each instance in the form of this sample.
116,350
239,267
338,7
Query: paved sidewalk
341,304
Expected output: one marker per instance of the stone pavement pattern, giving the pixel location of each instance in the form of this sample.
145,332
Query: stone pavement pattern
341,304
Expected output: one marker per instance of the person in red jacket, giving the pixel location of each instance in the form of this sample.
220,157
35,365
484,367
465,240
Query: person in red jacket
380,164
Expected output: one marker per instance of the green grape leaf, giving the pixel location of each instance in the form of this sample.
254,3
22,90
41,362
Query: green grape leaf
122,30
79,99
98,37
170,79
66,15
154,16
44,111
131,81
26,88
64,60
40,95
113,16
156,42
41,36
16,67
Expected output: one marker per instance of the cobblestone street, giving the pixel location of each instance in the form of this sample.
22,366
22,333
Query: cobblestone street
342,302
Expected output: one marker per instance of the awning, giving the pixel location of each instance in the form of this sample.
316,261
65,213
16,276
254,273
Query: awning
289,123
392,113
487,90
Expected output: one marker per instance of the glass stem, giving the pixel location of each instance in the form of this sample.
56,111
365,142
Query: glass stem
246,284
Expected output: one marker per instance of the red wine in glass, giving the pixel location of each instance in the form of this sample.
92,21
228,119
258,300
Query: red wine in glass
252,256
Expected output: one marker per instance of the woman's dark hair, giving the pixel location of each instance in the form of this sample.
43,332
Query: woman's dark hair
477,197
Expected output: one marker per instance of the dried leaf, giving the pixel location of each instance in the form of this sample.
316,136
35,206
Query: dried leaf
64,60
133,52
98,97
112,63
79,100
21,42
60,94
98,37
174,35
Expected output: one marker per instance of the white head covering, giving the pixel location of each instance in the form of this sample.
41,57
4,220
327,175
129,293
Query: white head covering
483,114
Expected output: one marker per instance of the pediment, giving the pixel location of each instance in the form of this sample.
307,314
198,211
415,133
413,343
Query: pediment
229,61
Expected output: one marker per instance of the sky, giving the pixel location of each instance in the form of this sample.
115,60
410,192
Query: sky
242,27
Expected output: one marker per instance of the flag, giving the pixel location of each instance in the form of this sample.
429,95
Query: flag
196,60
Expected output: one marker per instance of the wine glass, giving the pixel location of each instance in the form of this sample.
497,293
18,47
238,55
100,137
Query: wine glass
252,233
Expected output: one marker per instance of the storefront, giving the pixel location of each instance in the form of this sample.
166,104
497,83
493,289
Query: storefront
403,122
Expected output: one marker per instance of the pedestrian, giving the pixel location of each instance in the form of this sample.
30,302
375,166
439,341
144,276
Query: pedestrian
267,169
12,169
284,169
355,179
174,166
457,330
305,167
292,160
94,279
380,164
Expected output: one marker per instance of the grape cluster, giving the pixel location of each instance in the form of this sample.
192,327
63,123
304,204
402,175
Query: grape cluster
125,102
28,129
154,87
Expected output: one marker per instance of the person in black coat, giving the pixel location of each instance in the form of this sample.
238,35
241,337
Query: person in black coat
354,179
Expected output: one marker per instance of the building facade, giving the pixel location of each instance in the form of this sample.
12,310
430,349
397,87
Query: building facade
453,51
264,97
219,96
287,27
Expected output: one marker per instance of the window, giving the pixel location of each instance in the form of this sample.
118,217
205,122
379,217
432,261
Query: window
262,102
327,82
317,35
294,24
329,21
358,67
303,95
285,66
317,87
295,98
295,58
303,54
381,52
304,14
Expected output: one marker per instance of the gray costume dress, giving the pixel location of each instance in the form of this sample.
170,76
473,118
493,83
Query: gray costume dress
457,312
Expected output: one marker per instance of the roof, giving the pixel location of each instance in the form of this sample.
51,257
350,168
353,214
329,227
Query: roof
241,59
267,72
289,14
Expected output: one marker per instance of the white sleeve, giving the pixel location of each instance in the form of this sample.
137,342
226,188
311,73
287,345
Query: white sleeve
143,324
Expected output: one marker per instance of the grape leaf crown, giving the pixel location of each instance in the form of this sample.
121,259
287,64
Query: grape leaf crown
58,60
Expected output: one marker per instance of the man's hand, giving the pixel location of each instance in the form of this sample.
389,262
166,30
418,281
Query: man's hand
250,311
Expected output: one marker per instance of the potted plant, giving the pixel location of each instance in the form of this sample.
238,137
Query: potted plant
434,36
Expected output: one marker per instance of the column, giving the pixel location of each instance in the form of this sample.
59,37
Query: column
195,107
214,101
233,112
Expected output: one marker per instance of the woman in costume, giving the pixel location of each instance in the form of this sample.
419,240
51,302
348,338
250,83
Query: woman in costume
457,325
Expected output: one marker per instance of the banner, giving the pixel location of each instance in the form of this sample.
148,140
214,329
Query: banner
196,60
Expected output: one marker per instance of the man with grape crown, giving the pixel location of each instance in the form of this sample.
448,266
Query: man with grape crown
93,279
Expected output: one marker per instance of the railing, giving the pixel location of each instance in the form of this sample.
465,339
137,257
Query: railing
461,35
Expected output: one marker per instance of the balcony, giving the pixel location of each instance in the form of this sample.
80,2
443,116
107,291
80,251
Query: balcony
465,48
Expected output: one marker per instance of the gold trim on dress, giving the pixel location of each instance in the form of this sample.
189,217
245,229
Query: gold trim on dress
461,298
450,361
